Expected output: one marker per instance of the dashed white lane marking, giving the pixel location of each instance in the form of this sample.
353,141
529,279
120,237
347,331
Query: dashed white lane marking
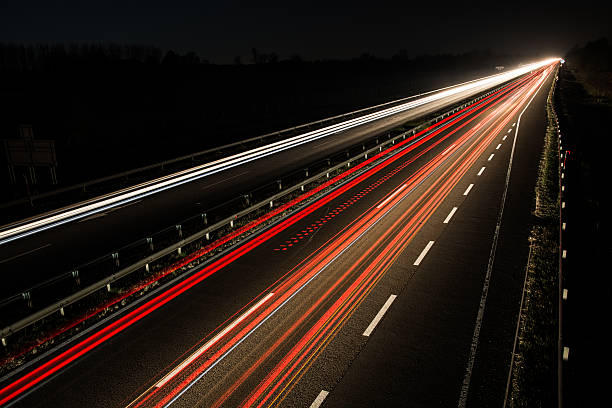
513,124
504,138
391,196
463,395
490,157
449,147
420,258
450,215
467,190
565,353
481,171
563,226
564,294
498,146
564,254
319,400
212,341
379,315
509,130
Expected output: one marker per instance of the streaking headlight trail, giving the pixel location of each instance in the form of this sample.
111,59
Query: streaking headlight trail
99,204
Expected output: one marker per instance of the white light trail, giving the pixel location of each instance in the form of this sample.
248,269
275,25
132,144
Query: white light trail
84,209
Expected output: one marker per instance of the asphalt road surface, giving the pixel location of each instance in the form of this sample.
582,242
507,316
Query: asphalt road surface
292,316
38,257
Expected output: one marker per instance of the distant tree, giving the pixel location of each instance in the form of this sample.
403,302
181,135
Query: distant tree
191,58
401,55
256,59
171,58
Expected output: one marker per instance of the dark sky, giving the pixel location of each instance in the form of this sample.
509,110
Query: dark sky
220,30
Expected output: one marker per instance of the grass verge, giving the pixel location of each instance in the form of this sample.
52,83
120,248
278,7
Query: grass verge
533,372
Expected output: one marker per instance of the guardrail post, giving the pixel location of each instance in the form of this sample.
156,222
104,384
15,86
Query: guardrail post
280,184
179,228
231,223
204,219
247,200
115,256
208,236
4,341
150,242
28,298
302,187
75,275
306,171
62,311
108,289
147,268
365,156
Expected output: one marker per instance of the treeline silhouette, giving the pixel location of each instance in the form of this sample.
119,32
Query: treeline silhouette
593,62
112,107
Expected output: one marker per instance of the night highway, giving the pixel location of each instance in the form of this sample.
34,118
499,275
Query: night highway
36,243
379,283
305,204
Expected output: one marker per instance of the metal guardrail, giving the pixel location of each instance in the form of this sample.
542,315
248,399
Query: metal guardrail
144,262
192,157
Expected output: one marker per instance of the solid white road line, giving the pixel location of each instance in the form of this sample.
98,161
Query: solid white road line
24,253
463,394
490,157
481,171
210,342
319,400
391,196
449,147
102,203
224,180
450,215
467,190
498,146
379,315
420,258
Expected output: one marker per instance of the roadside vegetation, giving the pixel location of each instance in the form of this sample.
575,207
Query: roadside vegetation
533,377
